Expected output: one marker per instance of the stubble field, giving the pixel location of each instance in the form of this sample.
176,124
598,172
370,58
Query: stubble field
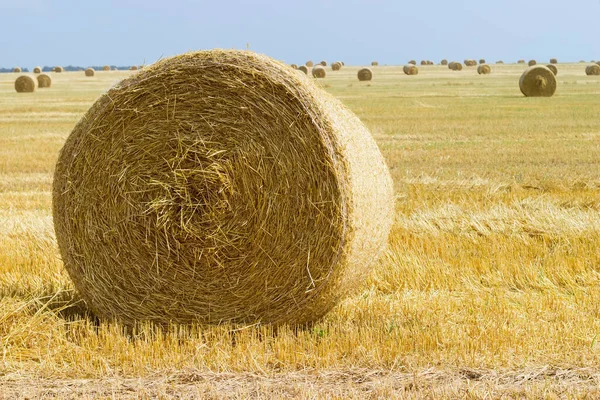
490,285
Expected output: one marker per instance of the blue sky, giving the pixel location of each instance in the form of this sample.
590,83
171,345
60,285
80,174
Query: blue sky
122,32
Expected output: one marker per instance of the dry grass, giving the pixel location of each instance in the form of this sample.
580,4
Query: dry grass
490,286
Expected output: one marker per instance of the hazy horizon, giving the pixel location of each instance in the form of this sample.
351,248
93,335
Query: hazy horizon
355,31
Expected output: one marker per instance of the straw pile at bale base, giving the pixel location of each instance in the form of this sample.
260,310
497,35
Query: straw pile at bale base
336,66
90,72
24,84
269,210
411,69
318,71
538,81
44,81
365,74
17,70
303,69
593,69
552,68
484,69
37,70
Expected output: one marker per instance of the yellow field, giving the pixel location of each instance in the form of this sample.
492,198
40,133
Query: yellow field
490,286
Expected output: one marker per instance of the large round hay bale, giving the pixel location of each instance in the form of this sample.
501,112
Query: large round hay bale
106,68
336,66
44,81
521,62
17,70
481,61
531,63
58,69
24,84
323,63
270,209
318,71
484,69
444,62
593,69
303,69
90,72
309,64
365,74
537,81
37,70
411,69
552,68
553,61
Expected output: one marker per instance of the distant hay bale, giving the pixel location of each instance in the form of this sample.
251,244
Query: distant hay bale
37,70
115,69
552,68
90,72
537,81
521,62
553,61
499,62
106,68
484,69
470,63
444,62
343,63
318,71
323,63
336,66
24,84
58,69
374,63
455,66
294,66
303,69
309,64
269,210
481,61
365,74
531,63
423,62
593,69
413,62
411,69
17,70
133,68
44,81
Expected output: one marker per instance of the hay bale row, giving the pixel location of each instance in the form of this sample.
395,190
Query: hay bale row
593,69
270,210
411,69
318,71
365,74
484,69
538,81
552,68
24,84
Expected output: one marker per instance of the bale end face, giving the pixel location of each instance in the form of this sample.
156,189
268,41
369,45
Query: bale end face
538,81
24,84
365,74
319,72
269,210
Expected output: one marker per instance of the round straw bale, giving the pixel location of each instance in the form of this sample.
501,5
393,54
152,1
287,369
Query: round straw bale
309,64
294,66
444,62
481,61
521,62
336,66
499,62
411,69
343,65
58,69
593,69
451,65
553,61
552,68
133,68
106,68
374,63
537,81
44,81
90,72
318,71
37,70
17,70
323,63
271,209
24,84
365,74
484,69
413,62
456,66
531,63
303,69
423,62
